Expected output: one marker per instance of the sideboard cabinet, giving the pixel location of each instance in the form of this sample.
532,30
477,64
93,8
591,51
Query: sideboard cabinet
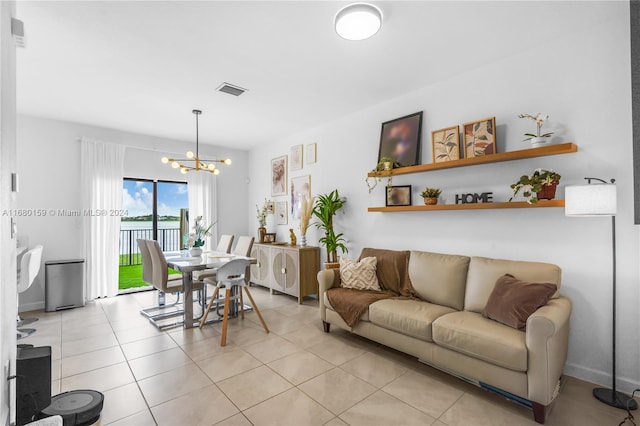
286,269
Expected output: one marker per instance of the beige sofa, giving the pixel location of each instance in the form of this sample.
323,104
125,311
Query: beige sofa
447,330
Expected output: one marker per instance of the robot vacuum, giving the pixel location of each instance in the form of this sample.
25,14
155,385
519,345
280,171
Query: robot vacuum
76,407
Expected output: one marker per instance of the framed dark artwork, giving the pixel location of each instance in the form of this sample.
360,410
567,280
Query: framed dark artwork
300,188
479,137
446,144
279,176
398,196
400,140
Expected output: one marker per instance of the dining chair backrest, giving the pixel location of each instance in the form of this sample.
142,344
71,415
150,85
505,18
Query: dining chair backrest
147,266
29,268
160,269
232,273
244,246
225,243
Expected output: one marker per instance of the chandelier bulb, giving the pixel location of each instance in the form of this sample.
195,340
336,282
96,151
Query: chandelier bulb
175,164
183,171
227,161
211,166
190,154
165,160
216,172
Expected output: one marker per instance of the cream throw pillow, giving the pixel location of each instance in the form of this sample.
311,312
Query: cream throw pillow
359,275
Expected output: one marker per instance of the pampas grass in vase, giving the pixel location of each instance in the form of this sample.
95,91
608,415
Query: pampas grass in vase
305,218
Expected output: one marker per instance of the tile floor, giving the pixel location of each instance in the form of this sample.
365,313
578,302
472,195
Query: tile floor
296,375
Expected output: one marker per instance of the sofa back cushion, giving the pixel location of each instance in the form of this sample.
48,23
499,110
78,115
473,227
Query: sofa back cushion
484,272
392,270
439,278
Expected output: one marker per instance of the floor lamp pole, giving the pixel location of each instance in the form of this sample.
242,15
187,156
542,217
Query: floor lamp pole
611,396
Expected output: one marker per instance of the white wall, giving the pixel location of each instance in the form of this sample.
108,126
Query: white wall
48,165
582,81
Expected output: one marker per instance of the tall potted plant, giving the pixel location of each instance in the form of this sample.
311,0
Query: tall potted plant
325,208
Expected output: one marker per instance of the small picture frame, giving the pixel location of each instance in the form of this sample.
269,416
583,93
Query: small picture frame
446,144
279,176
400,140
269,237
479,137
270,207
282,213
311,152
296,157
398,196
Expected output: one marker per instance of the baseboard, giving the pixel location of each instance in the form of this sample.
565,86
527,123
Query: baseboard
623,384
33,306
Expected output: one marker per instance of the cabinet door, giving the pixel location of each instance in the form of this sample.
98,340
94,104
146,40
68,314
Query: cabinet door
292,272
278,263
260,270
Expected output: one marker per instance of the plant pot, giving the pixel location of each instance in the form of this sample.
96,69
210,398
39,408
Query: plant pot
548,192
331,265
538,142
387,165
431,201
195,251
261,233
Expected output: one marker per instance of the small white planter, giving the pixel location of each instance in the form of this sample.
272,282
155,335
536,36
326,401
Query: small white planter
538,142
195,252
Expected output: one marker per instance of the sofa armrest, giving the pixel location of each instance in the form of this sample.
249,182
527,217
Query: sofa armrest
327,279
547,340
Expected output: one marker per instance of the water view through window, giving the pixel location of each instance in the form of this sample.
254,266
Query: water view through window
154,212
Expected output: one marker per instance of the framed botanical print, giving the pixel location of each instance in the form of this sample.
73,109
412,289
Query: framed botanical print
282,214
479,137
279,176
400,140
446,144
311,153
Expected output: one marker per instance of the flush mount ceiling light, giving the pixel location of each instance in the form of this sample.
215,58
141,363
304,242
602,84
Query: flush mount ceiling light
358,21
199,164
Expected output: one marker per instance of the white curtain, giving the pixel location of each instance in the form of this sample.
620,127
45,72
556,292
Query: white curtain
202,202
101,182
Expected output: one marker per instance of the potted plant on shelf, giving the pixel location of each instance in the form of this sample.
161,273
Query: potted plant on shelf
386,164
538,139
196,239
430,196
541,185
325,208
261,215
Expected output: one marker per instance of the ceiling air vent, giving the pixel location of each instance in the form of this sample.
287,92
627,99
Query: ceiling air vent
231,89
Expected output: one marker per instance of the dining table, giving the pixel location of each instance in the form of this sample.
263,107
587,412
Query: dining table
186,265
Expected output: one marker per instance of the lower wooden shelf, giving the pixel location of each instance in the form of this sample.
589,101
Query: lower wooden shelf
477,206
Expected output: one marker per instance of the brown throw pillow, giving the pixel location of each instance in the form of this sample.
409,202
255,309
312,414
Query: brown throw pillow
512,301
392,270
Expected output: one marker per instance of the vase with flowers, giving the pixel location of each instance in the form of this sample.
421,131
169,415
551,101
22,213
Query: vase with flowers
541,185
305,217
195,242
261,215
538,139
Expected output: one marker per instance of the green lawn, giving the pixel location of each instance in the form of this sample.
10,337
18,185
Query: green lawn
131,276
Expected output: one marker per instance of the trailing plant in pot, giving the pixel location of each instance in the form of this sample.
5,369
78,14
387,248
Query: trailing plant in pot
325,208
431,195
541,185
386,164
539,138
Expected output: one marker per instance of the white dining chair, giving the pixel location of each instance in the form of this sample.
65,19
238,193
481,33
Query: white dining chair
27,272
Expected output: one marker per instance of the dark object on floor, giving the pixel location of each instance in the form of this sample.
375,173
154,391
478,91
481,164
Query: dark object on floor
33,382
77,407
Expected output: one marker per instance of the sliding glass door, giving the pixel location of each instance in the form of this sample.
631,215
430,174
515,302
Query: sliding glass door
154,211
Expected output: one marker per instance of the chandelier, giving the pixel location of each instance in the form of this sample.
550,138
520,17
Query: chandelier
199,164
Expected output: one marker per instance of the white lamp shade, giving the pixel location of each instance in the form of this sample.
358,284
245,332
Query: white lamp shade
358,21
590,200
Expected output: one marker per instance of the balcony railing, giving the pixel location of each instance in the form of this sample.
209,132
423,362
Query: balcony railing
169,240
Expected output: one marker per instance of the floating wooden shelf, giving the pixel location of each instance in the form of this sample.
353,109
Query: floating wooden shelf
563,148
477,206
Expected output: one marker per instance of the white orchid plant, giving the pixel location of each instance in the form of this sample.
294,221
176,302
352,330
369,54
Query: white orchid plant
200,231
539,119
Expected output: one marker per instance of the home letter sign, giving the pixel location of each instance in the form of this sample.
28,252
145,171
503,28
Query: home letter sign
485,197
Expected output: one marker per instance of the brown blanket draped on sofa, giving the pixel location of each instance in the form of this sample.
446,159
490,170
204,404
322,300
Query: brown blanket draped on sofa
393,276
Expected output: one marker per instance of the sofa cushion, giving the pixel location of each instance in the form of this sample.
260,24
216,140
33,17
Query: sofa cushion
472,334
392,270
359,275
327,304
439,278
512,301
484,272
406,316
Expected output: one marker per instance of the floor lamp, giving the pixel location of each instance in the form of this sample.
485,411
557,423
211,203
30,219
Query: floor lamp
591,200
